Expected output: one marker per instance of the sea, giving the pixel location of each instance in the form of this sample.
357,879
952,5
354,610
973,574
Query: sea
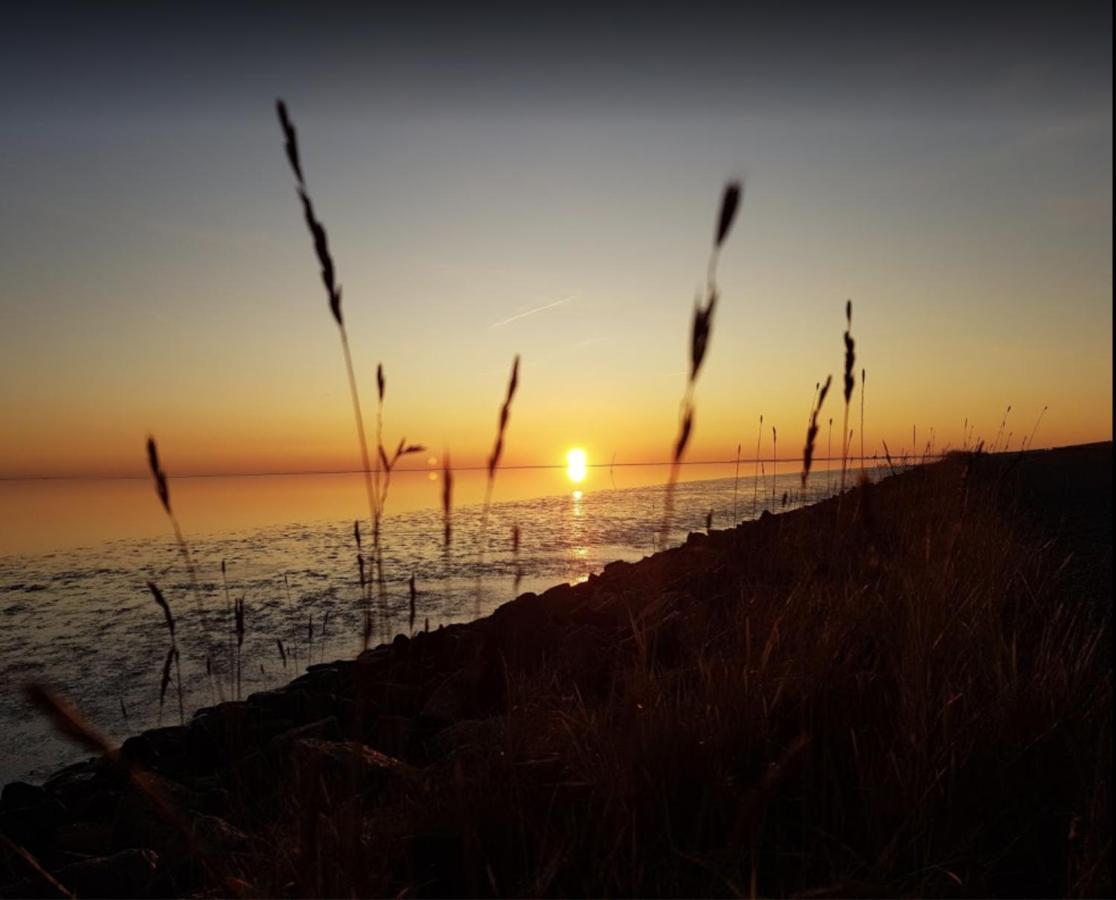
76,556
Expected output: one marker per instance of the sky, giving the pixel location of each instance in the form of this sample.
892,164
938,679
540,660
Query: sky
511,179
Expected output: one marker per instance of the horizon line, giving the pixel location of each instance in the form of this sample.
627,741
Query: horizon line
519,467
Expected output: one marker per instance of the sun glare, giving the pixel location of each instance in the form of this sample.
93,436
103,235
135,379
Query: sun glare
576,465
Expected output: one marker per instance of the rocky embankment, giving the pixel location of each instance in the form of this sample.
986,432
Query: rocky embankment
153,820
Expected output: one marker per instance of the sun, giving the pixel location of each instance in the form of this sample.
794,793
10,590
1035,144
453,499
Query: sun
576,465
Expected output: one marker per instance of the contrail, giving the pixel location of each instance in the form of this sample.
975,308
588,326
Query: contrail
531,312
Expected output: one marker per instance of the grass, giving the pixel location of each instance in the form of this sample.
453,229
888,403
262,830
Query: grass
923,709
812,430
700,332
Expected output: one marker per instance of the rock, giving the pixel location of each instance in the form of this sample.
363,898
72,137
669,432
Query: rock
392,735
149,816
469,736
88,838
521,634
309,704
342,768
374,657
20,793
97,806
124,874
452,700
78,780
324,729
274,702
163,750
33,827
294,706
223,732
392,698
213,835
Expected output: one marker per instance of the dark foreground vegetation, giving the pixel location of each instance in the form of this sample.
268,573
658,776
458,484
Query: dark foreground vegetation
905,690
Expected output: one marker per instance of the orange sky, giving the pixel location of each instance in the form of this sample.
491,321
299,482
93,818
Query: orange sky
157,276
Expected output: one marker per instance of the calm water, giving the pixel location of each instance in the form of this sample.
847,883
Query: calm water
75,557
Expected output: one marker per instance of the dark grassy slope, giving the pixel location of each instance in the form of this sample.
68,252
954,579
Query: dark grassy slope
904,691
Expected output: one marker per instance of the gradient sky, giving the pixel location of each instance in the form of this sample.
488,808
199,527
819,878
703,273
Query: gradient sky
505,180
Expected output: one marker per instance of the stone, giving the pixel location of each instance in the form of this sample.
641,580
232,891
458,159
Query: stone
20,793
124,874
78,780
452,700
469,736
33,827
163,750
212,835
143,816
392,735
325,729
97,806
392,698
87,838
342,768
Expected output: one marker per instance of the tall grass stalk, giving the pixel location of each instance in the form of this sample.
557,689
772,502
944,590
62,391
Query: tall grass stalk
515,559
756,476
774,462
863,379
333,295
829,460
162,488
412,604
700,331
493,465
1029,443
850,382
447,500
238,612
382,474
736,486
172,654
812,430
1000,432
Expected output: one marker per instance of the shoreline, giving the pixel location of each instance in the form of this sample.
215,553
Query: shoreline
422,704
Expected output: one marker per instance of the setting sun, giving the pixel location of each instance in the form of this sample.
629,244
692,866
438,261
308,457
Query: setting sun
576,465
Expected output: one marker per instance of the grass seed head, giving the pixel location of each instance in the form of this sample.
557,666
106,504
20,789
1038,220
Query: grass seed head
163,605
812,431
730,202
700,331
684,433
165,681
505,412
291,139
447,497
158,474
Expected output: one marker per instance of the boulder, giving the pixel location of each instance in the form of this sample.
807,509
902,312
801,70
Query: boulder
342,768
126,874
87,838
452,700
392,735
33,827
163,750
469,736
324,729
390,698
150,813
20,793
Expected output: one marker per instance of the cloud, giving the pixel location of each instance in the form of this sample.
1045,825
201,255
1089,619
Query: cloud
531,312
